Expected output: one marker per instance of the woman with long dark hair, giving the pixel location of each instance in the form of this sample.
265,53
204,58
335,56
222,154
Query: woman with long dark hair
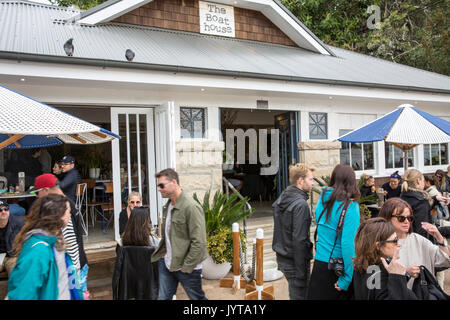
331,278
43,270
375,278
138,230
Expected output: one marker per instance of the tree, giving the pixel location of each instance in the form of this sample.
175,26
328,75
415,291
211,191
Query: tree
82,4
411,32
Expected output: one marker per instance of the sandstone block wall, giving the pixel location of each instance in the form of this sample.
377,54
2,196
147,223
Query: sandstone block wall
199,164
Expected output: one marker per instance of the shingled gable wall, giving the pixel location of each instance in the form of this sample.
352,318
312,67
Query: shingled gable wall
184,15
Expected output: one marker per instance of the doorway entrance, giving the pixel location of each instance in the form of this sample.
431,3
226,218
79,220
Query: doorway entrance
133,159
249,177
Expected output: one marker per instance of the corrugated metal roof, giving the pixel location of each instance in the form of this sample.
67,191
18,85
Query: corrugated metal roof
35,29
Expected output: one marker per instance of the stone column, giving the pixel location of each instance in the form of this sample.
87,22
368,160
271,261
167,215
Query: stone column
199,165
323,155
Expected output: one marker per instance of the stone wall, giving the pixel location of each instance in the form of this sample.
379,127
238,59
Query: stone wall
199,165
323,155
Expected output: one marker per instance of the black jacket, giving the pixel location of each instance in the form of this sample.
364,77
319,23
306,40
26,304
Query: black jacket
15,224
381,285
391,193
421,211
366,191
69,183
123,219
291,237
135,276
78,229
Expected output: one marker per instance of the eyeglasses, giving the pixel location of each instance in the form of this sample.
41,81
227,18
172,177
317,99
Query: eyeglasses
135,202
391,241
402,218
4,209
162,185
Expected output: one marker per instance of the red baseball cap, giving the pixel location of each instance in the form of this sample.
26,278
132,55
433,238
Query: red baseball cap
46,180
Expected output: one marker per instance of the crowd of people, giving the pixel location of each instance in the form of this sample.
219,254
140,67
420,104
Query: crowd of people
45,252
354,257
358,258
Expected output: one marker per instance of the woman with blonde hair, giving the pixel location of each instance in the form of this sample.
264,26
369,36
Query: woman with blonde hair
134,200
421,202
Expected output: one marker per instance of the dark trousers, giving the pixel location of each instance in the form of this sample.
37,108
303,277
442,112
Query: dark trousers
168,283
298,287
321,285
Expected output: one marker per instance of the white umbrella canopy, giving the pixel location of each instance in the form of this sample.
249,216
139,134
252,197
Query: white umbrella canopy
406,127
27,123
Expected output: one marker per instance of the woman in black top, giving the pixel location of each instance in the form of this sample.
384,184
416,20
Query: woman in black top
374,278
392,188
368,189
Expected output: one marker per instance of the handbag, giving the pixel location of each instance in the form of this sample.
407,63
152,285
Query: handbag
426,287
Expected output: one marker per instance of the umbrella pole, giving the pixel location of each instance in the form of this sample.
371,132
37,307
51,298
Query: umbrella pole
405,159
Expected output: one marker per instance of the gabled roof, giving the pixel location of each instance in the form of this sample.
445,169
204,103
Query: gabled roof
273,10
36,32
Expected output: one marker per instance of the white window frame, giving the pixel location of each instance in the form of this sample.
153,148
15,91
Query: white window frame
434,167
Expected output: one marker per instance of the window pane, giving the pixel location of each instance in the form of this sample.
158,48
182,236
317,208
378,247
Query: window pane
398,157
444,153
318,126
357,156
344,153
388,156
192,123
426,155
368,156
435,154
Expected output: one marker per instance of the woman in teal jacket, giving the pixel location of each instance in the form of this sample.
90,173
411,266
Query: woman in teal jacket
324,283
43,270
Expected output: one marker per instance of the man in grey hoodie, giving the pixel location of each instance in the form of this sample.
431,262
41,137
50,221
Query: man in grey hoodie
291,236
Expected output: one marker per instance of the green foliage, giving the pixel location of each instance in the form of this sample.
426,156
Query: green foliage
412,32
82,4
220,214
220,244
223,211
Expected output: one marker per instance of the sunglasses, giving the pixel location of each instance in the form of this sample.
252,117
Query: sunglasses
4,209
391,241
135,202
402,218
162,185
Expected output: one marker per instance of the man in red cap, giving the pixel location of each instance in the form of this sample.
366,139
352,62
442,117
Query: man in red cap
46,184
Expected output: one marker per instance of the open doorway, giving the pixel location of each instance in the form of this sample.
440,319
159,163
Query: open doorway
249,177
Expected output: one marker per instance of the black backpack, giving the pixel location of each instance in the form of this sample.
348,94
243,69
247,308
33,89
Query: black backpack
426,287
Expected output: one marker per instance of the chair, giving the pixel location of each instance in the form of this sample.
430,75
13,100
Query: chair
135,276
107,204
81,204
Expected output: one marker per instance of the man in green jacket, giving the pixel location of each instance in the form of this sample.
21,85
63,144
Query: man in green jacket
183,243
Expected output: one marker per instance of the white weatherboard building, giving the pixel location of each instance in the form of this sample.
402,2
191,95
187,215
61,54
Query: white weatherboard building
201,68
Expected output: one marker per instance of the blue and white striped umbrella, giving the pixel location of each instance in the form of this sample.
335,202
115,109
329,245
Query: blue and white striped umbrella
405,127
27,123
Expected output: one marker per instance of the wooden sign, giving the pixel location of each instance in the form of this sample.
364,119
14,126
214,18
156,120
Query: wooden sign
216,19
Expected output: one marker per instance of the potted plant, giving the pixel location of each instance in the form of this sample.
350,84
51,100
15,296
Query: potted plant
220,214
94,164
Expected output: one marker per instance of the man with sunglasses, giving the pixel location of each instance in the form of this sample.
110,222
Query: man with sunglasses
10,226
183,243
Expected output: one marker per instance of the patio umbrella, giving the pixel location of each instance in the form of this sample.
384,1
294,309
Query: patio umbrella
405,127
27,123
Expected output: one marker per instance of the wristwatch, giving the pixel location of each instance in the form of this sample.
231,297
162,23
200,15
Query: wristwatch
444,244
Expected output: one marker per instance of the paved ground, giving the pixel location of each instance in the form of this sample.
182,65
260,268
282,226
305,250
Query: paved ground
214,292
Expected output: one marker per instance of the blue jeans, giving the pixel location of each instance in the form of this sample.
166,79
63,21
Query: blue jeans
168,283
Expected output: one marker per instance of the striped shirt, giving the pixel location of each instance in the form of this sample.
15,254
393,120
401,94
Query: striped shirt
72,246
